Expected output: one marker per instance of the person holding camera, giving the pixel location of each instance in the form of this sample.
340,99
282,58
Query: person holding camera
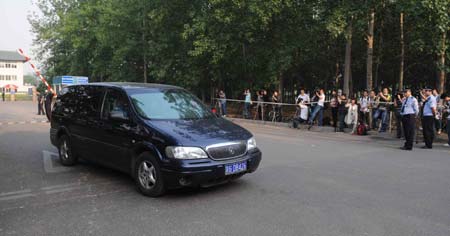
398,101
382,111
318,109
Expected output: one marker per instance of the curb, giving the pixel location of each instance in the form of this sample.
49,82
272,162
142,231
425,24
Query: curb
4,123
325,129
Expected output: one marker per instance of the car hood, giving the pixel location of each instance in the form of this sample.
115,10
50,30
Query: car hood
201,132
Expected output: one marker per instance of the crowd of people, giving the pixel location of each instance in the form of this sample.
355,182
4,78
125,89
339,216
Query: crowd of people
367,110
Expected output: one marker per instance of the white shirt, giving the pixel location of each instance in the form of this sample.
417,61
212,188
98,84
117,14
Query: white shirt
364,102
321,100
304,97
303,111
352,115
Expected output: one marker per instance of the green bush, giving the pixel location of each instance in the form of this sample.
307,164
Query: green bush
19,97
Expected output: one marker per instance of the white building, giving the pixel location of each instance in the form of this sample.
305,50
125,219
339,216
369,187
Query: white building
11,70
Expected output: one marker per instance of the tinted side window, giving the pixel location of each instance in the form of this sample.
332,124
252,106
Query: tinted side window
66,104
115,101
89,101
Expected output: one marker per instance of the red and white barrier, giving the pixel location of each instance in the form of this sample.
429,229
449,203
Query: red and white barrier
38,73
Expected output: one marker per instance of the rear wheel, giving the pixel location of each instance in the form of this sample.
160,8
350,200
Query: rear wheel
66,154
148,177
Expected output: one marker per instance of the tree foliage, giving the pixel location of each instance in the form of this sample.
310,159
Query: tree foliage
234,44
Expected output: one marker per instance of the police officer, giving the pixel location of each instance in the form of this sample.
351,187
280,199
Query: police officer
428,117
408,111
40,104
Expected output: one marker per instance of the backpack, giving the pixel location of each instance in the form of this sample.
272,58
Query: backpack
361,130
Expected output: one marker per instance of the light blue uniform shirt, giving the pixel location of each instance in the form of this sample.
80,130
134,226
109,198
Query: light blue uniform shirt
429,104
410,106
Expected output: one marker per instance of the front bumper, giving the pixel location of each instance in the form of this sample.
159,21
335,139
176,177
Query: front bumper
206,172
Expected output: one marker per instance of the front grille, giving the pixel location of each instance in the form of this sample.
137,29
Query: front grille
227,150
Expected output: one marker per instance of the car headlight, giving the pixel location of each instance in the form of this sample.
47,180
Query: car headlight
251,144
185,153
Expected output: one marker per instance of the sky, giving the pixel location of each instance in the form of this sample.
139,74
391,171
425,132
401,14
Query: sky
15,31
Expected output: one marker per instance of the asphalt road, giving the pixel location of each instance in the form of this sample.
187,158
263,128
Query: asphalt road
308,184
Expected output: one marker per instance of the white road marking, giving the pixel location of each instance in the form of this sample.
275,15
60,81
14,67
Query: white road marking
48,163
60,186
15,192
59,190
17,196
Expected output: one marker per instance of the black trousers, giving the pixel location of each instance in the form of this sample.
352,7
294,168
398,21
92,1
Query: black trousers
341,120
409,129
428,130
334,116
40,108
398,123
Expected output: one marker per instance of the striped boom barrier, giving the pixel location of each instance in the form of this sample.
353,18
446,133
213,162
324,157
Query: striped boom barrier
38,73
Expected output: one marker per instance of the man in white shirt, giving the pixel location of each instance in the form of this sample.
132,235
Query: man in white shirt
303,96
318,109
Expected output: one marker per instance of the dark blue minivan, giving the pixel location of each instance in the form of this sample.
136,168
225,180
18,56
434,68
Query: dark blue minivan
162,135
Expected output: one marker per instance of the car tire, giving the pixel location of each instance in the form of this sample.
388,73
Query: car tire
66,154
148,176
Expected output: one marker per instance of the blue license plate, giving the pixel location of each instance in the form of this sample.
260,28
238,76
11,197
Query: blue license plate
235,168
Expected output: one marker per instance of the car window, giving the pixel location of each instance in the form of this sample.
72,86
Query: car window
115,101
66,104
89,100
169,104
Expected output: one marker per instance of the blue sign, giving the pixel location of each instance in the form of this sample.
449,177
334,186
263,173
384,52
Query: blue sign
67,80
82,80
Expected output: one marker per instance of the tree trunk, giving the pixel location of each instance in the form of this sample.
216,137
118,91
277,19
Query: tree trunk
369,75
281,86
380,46
144,43
402,54
348,58
441,86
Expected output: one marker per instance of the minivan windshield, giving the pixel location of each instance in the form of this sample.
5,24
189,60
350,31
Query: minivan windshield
173,104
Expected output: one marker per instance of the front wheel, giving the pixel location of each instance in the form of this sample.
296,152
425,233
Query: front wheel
66,154
148,177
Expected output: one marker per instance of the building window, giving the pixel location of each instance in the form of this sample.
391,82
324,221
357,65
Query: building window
2,65
2,77
8,77
13,65
14,77
7,65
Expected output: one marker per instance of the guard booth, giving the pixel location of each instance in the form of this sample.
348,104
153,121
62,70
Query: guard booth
59,82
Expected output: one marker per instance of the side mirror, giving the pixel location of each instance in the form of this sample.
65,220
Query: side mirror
118,115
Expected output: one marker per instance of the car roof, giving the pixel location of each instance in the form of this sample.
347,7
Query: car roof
133,86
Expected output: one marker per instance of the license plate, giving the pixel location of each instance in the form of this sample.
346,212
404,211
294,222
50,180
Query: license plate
235,168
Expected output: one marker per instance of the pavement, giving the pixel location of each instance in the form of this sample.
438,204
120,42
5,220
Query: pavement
309,183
